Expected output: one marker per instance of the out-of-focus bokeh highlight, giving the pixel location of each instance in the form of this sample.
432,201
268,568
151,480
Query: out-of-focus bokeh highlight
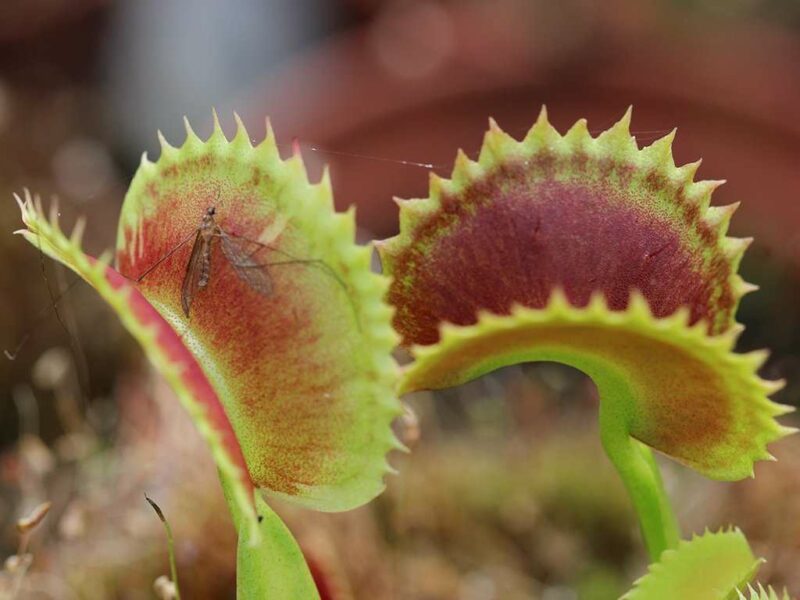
507,493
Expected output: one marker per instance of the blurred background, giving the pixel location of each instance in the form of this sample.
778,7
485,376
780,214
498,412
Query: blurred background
507,494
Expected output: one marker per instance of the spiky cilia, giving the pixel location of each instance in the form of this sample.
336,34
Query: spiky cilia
597,254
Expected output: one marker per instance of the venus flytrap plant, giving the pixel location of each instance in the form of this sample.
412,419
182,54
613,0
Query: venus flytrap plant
294,392
608,258
581,250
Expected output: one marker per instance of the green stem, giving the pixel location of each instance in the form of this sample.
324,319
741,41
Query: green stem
633,460
640,474
274,566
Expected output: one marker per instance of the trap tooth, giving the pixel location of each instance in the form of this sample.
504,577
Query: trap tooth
682,316
296,165
33,209
497,144
618,137
638,305
36,203
269,132
578,136
756,358
463,169
389,469
558,300
217,135
403,202
597,303
297,150
166,148
241,138
267,150
733,334
396,444
734,248
778,410
23,204
772,386
76,237
192,140
724,342
500,133
687,172
625,120
146,164
741,287
766,456
437,185
700,192
55,213
719,217
325,183
411,211
542,134
659,153
105,258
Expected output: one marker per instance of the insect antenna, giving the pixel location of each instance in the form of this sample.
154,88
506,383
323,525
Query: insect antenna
66,321
81,367
41,317
70,326
139,278
44,314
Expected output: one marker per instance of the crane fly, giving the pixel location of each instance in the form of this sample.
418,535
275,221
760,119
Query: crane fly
236,250
198,271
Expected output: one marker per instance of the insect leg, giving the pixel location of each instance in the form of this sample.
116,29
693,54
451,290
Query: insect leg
292,259
152,267
42,316
316,262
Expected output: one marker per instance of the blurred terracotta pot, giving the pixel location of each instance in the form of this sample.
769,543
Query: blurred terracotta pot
421,79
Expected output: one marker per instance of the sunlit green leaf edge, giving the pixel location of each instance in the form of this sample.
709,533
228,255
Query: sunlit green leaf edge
372,402
273,568
711,566
761,593
464,353
161,344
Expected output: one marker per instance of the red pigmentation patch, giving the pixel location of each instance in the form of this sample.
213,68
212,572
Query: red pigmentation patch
516,234
298,348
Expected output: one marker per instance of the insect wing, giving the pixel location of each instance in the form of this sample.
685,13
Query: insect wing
246,266
191,280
